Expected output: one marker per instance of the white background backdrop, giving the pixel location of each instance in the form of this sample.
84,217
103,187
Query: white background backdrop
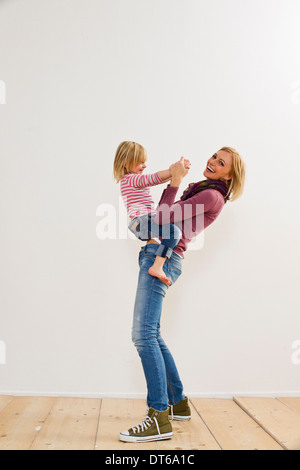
182,78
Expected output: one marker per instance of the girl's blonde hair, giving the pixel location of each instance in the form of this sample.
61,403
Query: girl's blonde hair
128,155
238,173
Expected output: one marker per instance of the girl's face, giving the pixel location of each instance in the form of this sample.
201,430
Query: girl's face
138,170
219,166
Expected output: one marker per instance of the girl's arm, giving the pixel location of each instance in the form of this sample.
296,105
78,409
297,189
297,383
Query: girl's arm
165,175
144,181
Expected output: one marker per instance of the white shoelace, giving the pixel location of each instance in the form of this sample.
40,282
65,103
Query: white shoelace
145,425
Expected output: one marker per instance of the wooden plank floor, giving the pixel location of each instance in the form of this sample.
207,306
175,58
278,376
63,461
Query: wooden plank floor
56,423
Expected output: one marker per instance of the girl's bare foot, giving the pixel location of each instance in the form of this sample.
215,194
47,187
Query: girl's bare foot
160,274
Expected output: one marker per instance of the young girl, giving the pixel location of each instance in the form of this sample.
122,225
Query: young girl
129,165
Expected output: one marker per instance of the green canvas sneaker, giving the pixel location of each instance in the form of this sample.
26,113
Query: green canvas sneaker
181,411
156,426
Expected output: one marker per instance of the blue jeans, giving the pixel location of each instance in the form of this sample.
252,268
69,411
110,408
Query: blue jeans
163,382
144,228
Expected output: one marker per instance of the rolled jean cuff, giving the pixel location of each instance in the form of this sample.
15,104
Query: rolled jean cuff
164,251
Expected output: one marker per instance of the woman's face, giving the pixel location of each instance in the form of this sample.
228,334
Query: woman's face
219,166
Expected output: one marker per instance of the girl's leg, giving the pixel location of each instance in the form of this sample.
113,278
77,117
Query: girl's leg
171,235
144,228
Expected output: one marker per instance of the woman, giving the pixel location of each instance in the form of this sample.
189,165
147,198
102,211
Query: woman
225,177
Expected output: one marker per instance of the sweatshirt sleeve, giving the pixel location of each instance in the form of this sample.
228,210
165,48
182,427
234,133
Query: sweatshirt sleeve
170,212
143,181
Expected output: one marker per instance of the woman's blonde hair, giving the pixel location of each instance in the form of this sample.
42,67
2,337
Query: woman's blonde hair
128,155
238,173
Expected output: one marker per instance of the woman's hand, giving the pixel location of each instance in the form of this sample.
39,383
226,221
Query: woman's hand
187,164
178,171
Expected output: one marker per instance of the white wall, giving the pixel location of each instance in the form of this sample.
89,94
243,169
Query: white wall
182,78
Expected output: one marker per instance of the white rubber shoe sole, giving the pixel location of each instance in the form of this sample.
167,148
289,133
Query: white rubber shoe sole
126,437
179,418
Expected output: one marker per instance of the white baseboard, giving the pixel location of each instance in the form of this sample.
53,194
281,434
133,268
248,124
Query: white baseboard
230,395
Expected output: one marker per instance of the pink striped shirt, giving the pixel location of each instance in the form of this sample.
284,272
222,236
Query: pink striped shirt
136,193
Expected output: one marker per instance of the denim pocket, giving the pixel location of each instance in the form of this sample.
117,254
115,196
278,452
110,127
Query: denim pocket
134,226
173,272
145,260
139,227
